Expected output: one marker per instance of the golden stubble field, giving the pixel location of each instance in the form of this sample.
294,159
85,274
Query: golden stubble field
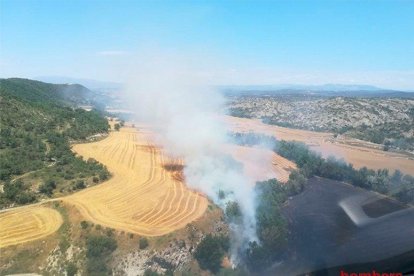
357,152
146,194
145,198
27,223
261,164
142,197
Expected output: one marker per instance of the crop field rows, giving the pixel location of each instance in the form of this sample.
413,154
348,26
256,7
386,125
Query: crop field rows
282,167
27,223
146,194
261,164
142,197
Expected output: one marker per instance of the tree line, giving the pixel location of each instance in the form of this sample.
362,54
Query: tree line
272,229
310,163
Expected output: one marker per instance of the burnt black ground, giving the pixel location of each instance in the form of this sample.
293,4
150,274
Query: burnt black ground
324,240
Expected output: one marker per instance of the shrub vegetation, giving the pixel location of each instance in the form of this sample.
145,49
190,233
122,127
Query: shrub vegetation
37,124
271,225
210,252
143,243
310,163
98,253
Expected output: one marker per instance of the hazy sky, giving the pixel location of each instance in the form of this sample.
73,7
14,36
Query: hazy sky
238,42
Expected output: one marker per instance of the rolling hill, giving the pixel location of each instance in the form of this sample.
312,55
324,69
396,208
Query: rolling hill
38,121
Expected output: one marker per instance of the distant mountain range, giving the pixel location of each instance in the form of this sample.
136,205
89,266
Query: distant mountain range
323,87
330,89
101,86
350,90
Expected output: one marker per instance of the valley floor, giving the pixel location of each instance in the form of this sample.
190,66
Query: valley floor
357,152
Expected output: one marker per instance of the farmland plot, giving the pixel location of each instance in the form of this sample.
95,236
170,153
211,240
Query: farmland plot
142,197
27,223
146,194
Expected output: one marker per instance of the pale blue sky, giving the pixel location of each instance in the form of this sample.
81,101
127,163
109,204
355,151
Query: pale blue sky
249,42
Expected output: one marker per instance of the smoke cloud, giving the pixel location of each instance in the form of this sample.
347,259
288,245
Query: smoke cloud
173,95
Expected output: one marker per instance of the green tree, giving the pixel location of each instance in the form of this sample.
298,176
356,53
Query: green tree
296,182
210,252
233,210
47,187
98,252
84,224
80,184
143,243
71,269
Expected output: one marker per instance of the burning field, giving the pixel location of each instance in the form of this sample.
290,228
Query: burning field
146,194
142,197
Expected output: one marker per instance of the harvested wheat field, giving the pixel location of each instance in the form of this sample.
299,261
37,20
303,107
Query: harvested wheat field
28,223
146,194
261,164
357,152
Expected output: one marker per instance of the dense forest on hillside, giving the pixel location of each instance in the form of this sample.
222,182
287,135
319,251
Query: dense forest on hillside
38,121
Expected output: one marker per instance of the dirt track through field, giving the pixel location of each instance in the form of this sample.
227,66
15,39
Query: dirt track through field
27,223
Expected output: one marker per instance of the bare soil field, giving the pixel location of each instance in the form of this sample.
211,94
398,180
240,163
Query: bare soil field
27,224
357,152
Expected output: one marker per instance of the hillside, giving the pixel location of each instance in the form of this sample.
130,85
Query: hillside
379,120
38,121
37,91
331,90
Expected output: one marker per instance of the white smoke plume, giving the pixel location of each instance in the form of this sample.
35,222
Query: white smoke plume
174,96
